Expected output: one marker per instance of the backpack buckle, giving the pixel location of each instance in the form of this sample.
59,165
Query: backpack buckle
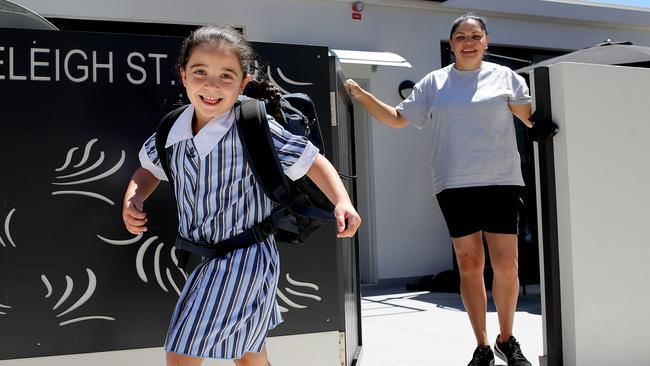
263,230
268,228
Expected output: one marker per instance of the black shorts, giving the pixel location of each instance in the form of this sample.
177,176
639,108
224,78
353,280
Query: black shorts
490,208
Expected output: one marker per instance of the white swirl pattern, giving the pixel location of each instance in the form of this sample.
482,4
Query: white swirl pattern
92,284
69,284
289,81
84,318
86,154
93,167
139,261
68,159
139,258
156,267
7,233
120,242
84,193
90,290
48,286
290,291
107,173
268,71
97,163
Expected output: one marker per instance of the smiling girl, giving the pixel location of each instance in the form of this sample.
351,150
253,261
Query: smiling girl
228,303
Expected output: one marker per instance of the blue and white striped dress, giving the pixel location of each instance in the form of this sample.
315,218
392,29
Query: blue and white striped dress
227,305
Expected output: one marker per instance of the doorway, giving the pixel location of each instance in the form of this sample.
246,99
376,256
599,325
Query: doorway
515,57
365,192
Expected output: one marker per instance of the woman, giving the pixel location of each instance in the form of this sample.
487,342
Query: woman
476,171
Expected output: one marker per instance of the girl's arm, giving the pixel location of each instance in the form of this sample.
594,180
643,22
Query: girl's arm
327,179
384,113
142,184
523,112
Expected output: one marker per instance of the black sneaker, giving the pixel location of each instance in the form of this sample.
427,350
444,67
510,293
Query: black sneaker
510,352
483,356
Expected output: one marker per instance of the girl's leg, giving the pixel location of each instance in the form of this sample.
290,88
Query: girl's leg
505,286
254,359
471,261
175,359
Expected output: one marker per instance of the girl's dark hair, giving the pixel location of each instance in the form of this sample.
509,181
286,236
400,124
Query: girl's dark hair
265,91
227,35
468,16
219,35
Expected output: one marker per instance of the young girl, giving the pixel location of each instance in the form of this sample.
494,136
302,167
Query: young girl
228,304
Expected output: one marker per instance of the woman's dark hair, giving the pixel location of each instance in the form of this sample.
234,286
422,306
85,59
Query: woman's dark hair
465,17
218,35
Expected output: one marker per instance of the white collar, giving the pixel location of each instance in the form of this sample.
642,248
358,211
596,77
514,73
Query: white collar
207,138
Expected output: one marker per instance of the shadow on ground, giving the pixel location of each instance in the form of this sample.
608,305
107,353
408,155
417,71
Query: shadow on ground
530,303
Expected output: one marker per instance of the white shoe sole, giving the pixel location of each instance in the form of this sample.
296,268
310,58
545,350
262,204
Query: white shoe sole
501,355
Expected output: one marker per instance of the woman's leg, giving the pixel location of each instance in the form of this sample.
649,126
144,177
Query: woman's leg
505,286
471,261
175,359
254,359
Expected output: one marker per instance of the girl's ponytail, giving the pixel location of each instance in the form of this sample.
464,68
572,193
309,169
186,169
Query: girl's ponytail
265,91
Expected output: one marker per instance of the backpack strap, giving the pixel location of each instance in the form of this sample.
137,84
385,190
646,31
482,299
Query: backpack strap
304,106
252,236
162,132
255,136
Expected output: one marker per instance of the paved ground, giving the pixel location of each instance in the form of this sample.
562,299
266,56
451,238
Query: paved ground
426,328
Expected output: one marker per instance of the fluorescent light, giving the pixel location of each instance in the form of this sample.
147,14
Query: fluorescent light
642,5
615,54
371,58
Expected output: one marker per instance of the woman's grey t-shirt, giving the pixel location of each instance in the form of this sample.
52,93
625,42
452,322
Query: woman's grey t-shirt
474,142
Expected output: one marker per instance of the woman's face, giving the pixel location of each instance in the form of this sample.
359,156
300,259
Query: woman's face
468,42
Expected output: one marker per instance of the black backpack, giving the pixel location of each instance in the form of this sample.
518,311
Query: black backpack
301,207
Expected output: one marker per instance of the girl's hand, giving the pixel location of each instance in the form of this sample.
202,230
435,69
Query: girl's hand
134,216
346,212
354,89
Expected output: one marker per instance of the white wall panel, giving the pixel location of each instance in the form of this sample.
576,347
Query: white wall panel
602,172
411,236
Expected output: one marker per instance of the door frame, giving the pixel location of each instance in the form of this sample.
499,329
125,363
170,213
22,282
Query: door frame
366,192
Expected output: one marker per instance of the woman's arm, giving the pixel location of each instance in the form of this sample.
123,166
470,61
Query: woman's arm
523,112
142,184
381,111
327,179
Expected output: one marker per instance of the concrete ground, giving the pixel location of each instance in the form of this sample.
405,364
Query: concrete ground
403,328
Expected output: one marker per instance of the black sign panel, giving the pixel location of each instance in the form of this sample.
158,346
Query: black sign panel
75,110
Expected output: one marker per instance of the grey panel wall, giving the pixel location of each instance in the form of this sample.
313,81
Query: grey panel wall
76,108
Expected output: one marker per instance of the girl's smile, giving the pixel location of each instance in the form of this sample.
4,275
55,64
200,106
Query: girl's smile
213,80
210,100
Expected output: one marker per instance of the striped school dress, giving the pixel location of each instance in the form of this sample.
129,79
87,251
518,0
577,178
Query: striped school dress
229,304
